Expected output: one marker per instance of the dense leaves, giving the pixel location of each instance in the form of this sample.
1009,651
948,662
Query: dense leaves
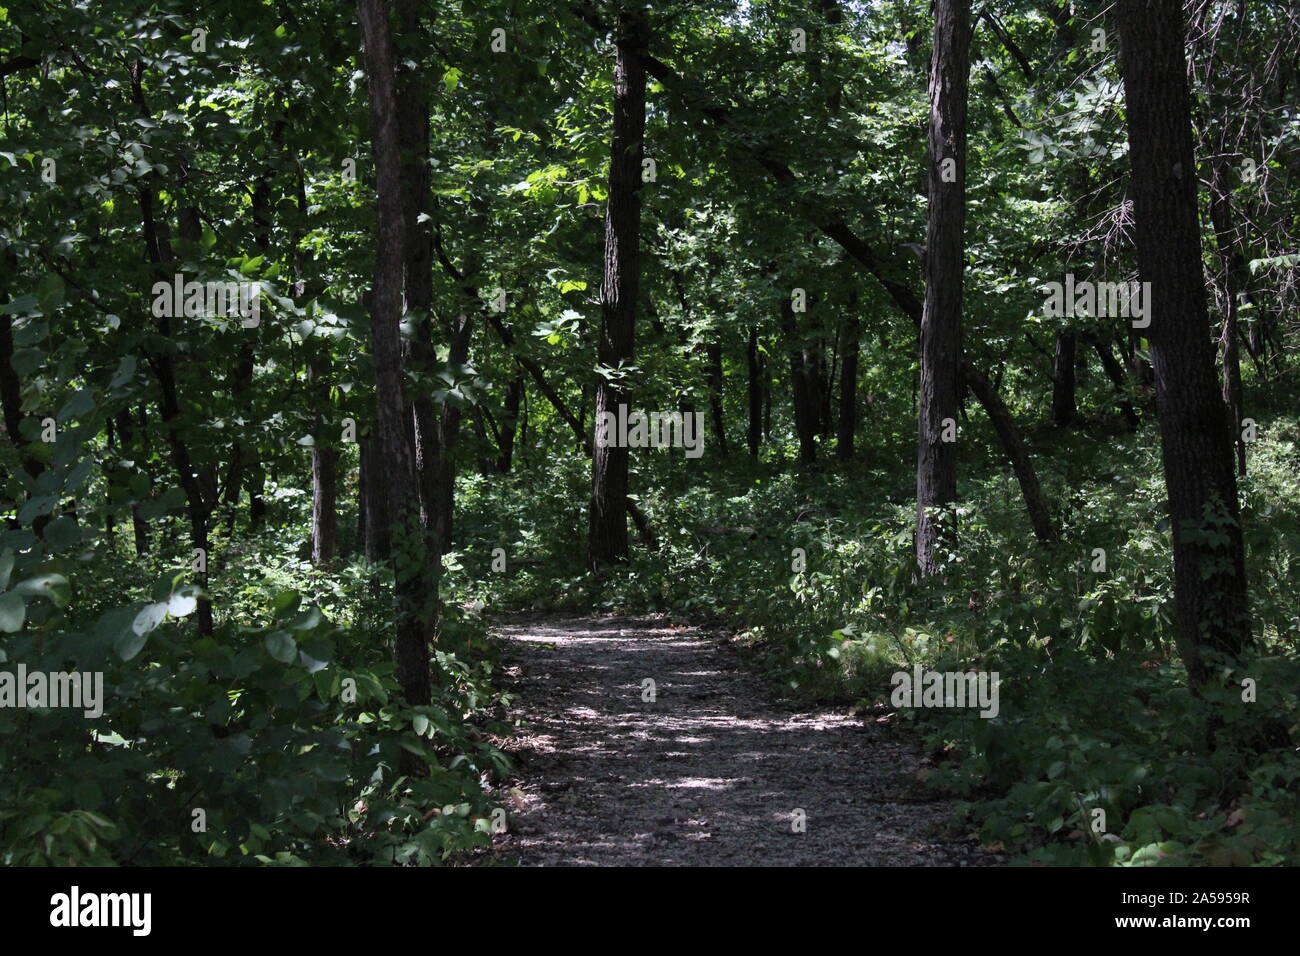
166,478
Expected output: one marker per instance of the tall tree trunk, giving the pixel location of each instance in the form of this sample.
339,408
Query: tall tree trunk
848,424
395,510
509,424
365,495
324,508
1064,410
1233,264
197,502
823,383
11,399
1209,563
1022,467
607,540
324,474
427,424
765,377
936,465
238,474
755,433
128,447
803,389
444,466
200,489
714,352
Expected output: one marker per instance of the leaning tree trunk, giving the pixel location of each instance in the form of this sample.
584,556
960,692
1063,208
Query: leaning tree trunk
394,510
1115,372
1209,564
940,389
607,540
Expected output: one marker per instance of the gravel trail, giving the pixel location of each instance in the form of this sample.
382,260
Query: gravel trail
712,772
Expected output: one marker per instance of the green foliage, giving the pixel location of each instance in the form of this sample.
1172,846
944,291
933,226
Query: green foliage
1094,712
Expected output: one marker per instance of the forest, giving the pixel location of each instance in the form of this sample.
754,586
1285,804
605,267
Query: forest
819,433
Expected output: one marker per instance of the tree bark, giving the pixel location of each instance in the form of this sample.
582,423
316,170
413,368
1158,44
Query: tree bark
714,352
128,446
848,424
1209,563
324,475
443,466
607,540
509,425
1064,409
392,470
803,387
1234,268
939,396
755,433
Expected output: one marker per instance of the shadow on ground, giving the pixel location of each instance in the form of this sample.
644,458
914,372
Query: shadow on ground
711,772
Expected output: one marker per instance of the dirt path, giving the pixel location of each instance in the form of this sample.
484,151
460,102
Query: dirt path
710,773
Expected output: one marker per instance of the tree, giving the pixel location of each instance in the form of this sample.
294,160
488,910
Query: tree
607,537
1209,561
392,467
940,389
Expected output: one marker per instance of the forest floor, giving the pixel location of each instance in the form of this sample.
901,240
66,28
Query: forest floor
711,772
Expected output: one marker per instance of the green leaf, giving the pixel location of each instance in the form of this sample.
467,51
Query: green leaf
52,586
125,372
6,567
36,507
26,361
24,303
182,603
63,532
78,406
281,646
78,476
118,626
308,620
150,616
284,602
13,611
